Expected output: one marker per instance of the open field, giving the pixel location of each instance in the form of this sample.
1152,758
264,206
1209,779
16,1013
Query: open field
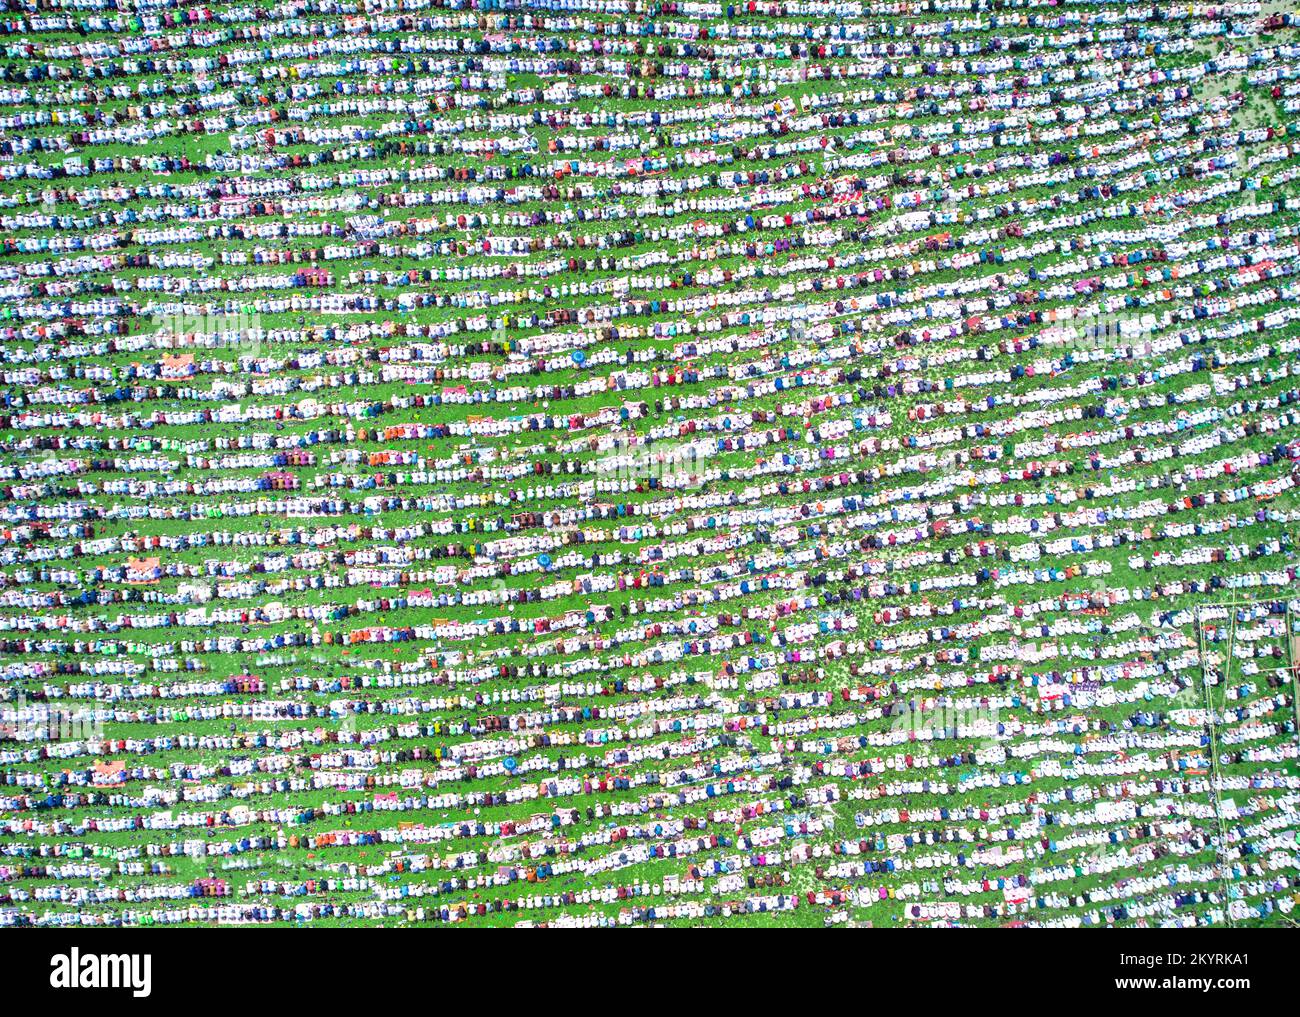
603,462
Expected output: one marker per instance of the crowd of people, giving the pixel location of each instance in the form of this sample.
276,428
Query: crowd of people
587,463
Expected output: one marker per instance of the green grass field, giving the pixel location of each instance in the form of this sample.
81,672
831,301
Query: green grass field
623,463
